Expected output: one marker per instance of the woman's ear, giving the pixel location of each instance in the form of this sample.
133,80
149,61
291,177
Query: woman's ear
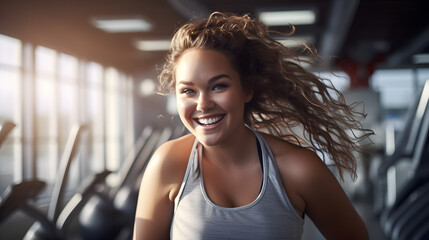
249,94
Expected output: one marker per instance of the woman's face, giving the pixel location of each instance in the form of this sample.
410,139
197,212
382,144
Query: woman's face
210,98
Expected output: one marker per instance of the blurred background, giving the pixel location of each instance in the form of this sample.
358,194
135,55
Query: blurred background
77,99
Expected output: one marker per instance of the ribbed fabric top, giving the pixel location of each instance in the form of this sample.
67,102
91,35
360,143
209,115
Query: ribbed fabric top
269,216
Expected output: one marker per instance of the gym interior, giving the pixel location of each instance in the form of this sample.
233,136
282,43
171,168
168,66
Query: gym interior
80,115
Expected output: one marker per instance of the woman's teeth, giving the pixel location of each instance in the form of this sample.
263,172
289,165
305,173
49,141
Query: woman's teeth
209,121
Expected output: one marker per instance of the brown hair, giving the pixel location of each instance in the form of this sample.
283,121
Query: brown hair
286,97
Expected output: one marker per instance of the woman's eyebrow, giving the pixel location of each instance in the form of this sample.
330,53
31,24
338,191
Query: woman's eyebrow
217,77
185,82
211,80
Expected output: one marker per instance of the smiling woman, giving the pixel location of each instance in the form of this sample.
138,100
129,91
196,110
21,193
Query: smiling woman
210,98
242,172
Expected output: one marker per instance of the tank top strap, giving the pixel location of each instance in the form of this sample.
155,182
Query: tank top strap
274,174
191,169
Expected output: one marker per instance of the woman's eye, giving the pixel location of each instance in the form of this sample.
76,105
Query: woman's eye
219,86
187,91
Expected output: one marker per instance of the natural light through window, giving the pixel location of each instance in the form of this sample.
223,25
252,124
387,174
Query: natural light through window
112,79
95,113
10,49
10,108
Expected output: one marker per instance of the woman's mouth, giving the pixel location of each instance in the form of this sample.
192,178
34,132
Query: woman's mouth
207,121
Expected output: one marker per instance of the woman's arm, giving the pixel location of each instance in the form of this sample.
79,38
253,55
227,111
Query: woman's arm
314,190
327,204
158,189
325,201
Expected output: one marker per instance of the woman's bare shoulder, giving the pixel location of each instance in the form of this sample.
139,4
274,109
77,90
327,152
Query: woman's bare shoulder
174,154
295,162
168,164
176,148
159,187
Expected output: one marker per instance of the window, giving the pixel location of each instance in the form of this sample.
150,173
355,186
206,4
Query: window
95,115
46,117
10,108
45,93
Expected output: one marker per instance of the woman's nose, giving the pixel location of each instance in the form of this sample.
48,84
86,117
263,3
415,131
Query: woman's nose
204,102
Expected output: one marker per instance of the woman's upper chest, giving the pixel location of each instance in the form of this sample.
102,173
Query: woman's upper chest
234,186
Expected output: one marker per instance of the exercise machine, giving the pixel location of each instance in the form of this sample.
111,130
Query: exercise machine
103,217
406,177
54,225
111,215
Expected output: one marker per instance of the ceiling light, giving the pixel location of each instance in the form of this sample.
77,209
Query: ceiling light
282,18
119,25
153,45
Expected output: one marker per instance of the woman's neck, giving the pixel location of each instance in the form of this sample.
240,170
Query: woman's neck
238,150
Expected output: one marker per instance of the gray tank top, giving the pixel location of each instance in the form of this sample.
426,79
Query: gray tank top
269,216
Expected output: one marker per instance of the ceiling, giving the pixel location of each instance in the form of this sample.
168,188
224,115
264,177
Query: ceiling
383,32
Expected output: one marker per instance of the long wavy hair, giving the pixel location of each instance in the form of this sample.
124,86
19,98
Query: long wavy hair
288,100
